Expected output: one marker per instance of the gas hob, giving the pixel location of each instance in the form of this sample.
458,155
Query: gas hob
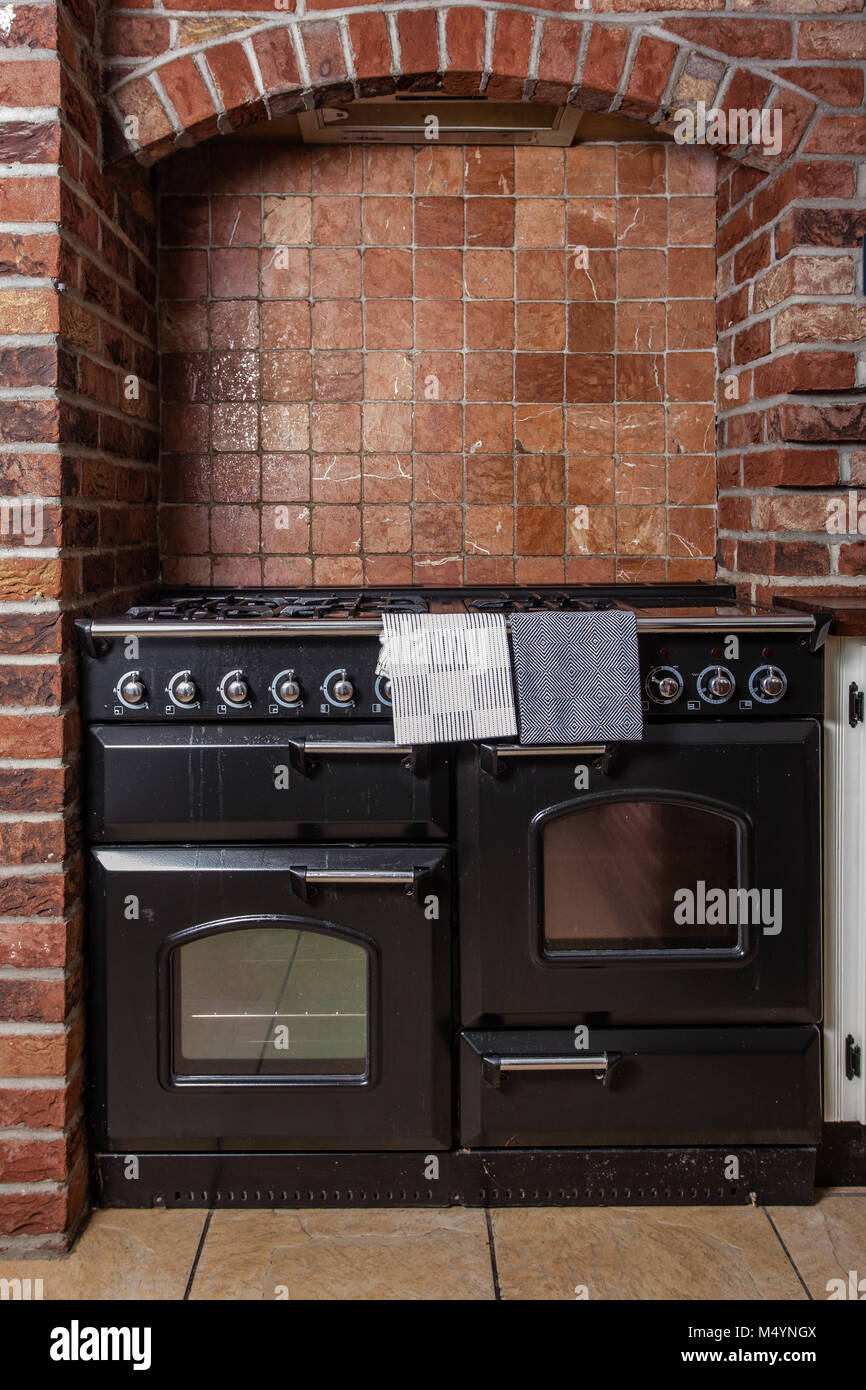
311,653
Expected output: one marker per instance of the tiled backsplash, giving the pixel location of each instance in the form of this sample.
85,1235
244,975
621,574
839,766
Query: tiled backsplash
394,364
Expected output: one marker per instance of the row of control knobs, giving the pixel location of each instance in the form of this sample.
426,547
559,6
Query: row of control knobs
234,689
716,685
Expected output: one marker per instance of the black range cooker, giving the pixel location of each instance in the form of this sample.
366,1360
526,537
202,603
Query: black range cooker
327,968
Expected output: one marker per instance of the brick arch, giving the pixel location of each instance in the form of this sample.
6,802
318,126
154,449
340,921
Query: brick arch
643,71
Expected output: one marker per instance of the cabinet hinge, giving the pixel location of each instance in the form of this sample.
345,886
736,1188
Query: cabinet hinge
852,1058
855,705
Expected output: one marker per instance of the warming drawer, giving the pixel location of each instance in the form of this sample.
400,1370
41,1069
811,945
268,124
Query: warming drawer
705,1086
217,782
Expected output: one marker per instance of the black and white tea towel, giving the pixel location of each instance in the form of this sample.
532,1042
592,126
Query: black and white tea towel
578,676
450,676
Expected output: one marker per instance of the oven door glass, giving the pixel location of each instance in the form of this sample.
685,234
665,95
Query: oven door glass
643,876
282,1001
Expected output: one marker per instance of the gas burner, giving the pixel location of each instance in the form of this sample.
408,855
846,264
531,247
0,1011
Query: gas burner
526,601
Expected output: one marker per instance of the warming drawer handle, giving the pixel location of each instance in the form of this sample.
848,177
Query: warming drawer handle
601,1064
493,755
414,881
302,749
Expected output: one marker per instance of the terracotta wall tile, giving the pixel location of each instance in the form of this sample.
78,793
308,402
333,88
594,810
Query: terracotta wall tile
437,365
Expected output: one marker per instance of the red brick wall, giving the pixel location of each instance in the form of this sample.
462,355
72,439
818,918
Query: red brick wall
186,73
76,321
365,375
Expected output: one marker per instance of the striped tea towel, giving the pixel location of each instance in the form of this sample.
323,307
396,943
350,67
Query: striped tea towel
450,676
578,677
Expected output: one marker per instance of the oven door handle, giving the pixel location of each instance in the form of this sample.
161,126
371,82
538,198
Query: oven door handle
303,750
414,882
495,1068
494,755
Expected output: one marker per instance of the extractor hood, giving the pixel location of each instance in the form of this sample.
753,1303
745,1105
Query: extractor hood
421,118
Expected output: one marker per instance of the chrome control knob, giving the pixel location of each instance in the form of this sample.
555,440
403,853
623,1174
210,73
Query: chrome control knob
664,685
716,684
768,684
234,687
342,689
289,690
386,689
132,689
182,688
720,685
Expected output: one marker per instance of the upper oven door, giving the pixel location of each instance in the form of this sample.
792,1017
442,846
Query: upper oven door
681,884
192,782
265,998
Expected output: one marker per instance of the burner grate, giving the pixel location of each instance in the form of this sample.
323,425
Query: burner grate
259,607
529,600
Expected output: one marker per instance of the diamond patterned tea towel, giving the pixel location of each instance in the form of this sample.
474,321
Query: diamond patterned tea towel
578,676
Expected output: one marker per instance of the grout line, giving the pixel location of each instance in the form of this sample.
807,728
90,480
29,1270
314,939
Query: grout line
789,1256
197,1256
491,1245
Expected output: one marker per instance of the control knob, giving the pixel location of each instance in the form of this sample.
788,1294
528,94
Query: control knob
716,684
288,689
131,688
768,684
234,688
342,688
664,685
182,688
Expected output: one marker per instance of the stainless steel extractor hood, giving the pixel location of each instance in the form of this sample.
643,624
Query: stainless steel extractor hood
419,118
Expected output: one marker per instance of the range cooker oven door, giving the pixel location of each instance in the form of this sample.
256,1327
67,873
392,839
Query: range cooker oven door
681,884
254,998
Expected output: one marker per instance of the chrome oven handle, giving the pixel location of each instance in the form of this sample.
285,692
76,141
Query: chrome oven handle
414,881
601,1064
492,756
301,750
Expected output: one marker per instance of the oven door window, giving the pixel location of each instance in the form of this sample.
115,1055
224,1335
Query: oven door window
643,876
264,1001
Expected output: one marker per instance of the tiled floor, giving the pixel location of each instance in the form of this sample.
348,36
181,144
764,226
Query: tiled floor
683,1253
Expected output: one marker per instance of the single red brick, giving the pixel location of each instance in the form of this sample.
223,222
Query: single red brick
30,199
185,88
324,52
807,371
738,36
371,46
828,39
135,36
512,44
30,84
839,135
836,85
232,75
649,76
791,468
603,66
419,47
464,42
792,422
796,112
557,60
138,99
32,1160
278,65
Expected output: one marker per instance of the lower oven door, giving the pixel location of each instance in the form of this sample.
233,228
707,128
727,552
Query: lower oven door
681,883
552,1089
261,998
